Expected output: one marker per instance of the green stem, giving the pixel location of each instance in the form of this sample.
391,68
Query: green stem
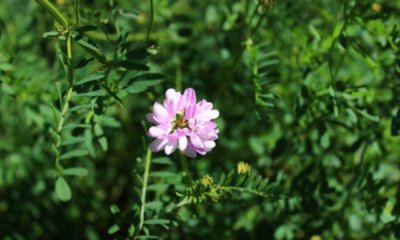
182,203
60,125
67,99
239,189
185,167
144,188
178,74
57,15
64,109
69,60
77,14
151,20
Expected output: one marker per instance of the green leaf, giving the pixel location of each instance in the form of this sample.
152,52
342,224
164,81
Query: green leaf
241,180
147,237
63,190
80,107
263,184
114,209
325,140
74,154
99,133
113,229
367,115
141,86
110,122
96,93
154,205
163,174
83,62
141,53
352,115
132,65
6,67
54,135
162,160
156,221
222,179
149,76
51,34
77,171
90,78
90,46
158,187
132,230
76,125
112,94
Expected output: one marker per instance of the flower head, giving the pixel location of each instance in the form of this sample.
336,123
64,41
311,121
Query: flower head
243,168
182,122
206,181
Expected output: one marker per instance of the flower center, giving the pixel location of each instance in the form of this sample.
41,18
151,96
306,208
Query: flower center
180,121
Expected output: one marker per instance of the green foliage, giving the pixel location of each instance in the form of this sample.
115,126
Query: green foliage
206,190
308,95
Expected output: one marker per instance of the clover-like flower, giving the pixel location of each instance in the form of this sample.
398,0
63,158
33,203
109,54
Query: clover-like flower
182,122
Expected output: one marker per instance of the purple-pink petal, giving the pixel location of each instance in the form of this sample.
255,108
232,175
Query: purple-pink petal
193,134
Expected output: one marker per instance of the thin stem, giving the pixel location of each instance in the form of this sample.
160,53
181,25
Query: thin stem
69,59
182,203
151,20
178,74
144,188
67,99
57,15
240,189
64,109
250,31
77,14
185,167
60,125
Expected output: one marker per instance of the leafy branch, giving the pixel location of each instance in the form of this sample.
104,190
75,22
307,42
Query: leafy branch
242,180
80,118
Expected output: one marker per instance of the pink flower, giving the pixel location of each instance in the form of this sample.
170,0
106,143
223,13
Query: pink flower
182,122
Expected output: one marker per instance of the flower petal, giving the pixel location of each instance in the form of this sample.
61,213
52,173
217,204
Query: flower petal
160,113
208,145
170,147
157,132
190,152
190,111
208,115
182,143
204,105
188,98
158,144
150,118
196,141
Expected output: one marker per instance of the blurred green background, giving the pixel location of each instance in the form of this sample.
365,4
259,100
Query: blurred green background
307,91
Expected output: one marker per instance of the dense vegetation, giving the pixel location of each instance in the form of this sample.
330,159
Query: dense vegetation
308,94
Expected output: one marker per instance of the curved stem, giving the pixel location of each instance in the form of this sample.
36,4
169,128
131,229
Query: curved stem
151,20
53,11
144,188
182,203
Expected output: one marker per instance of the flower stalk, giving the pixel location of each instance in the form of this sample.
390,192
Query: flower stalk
144,188
57,15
